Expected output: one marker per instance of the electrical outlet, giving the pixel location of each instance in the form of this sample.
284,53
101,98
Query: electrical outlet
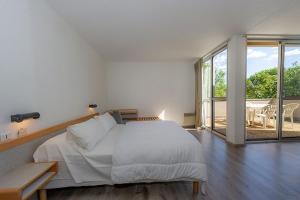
12,135
22,131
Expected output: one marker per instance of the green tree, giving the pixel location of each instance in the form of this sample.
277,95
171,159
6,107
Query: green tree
220,83
291,81
263,84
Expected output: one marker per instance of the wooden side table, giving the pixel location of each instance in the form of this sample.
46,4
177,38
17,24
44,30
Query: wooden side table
24,181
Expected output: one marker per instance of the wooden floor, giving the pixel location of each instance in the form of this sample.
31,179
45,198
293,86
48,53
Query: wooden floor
268,171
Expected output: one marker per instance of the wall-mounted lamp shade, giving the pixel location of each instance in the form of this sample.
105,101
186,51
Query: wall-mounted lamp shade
93,106
20,117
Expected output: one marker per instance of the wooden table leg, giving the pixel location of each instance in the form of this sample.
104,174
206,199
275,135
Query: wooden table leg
195,187
43,194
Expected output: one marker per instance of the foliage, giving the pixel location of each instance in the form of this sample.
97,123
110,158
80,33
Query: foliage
292,81
263,84
220,83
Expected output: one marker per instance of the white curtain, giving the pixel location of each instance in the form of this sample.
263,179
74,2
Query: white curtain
198,93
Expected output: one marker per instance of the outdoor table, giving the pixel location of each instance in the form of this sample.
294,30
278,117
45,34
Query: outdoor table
252,108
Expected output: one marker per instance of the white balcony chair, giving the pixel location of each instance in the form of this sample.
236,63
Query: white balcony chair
268,113
288,112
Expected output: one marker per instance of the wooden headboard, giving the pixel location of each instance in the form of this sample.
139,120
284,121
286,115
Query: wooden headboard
38,134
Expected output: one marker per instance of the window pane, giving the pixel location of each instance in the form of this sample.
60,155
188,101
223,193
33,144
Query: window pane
291,118
220,74
261,90
291,85
220,117
262,77
291,92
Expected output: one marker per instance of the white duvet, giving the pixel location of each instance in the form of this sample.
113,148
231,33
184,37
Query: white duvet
135,152
157,151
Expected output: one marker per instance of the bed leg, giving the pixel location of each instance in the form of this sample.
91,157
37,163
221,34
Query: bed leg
43,194
195,187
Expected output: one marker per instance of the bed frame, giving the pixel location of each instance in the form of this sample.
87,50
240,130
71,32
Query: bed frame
13,143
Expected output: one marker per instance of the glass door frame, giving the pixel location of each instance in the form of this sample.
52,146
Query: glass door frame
213,99
281,44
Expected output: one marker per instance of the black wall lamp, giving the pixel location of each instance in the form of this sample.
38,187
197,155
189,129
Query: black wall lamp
20,117
93,106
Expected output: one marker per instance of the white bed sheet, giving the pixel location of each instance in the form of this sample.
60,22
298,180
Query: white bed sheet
157,151
64,179
60,149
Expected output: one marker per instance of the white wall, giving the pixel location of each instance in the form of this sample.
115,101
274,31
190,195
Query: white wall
44,66
152,87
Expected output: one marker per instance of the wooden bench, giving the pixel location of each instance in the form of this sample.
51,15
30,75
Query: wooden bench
147,118
127,114
22,182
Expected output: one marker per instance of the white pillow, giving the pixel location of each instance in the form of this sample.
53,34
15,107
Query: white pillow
87,134
107,121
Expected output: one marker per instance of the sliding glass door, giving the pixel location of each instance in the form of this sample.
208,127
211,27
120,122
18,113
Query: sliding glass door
261,91
273,91
290,111
219,91
214,92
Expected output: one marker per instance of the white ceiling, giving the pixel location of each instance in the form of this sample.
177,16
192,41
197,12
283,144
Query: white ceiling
284,22
163,30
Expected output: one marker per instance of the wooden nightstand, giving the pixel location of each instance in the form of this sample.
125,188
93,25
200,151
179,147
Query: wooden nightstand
24,181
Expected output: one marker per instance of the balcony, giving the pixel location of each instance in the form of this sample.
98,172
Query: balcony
261,117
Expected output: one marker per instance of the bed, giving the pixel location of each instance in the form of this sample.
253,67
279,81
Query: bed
130,153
